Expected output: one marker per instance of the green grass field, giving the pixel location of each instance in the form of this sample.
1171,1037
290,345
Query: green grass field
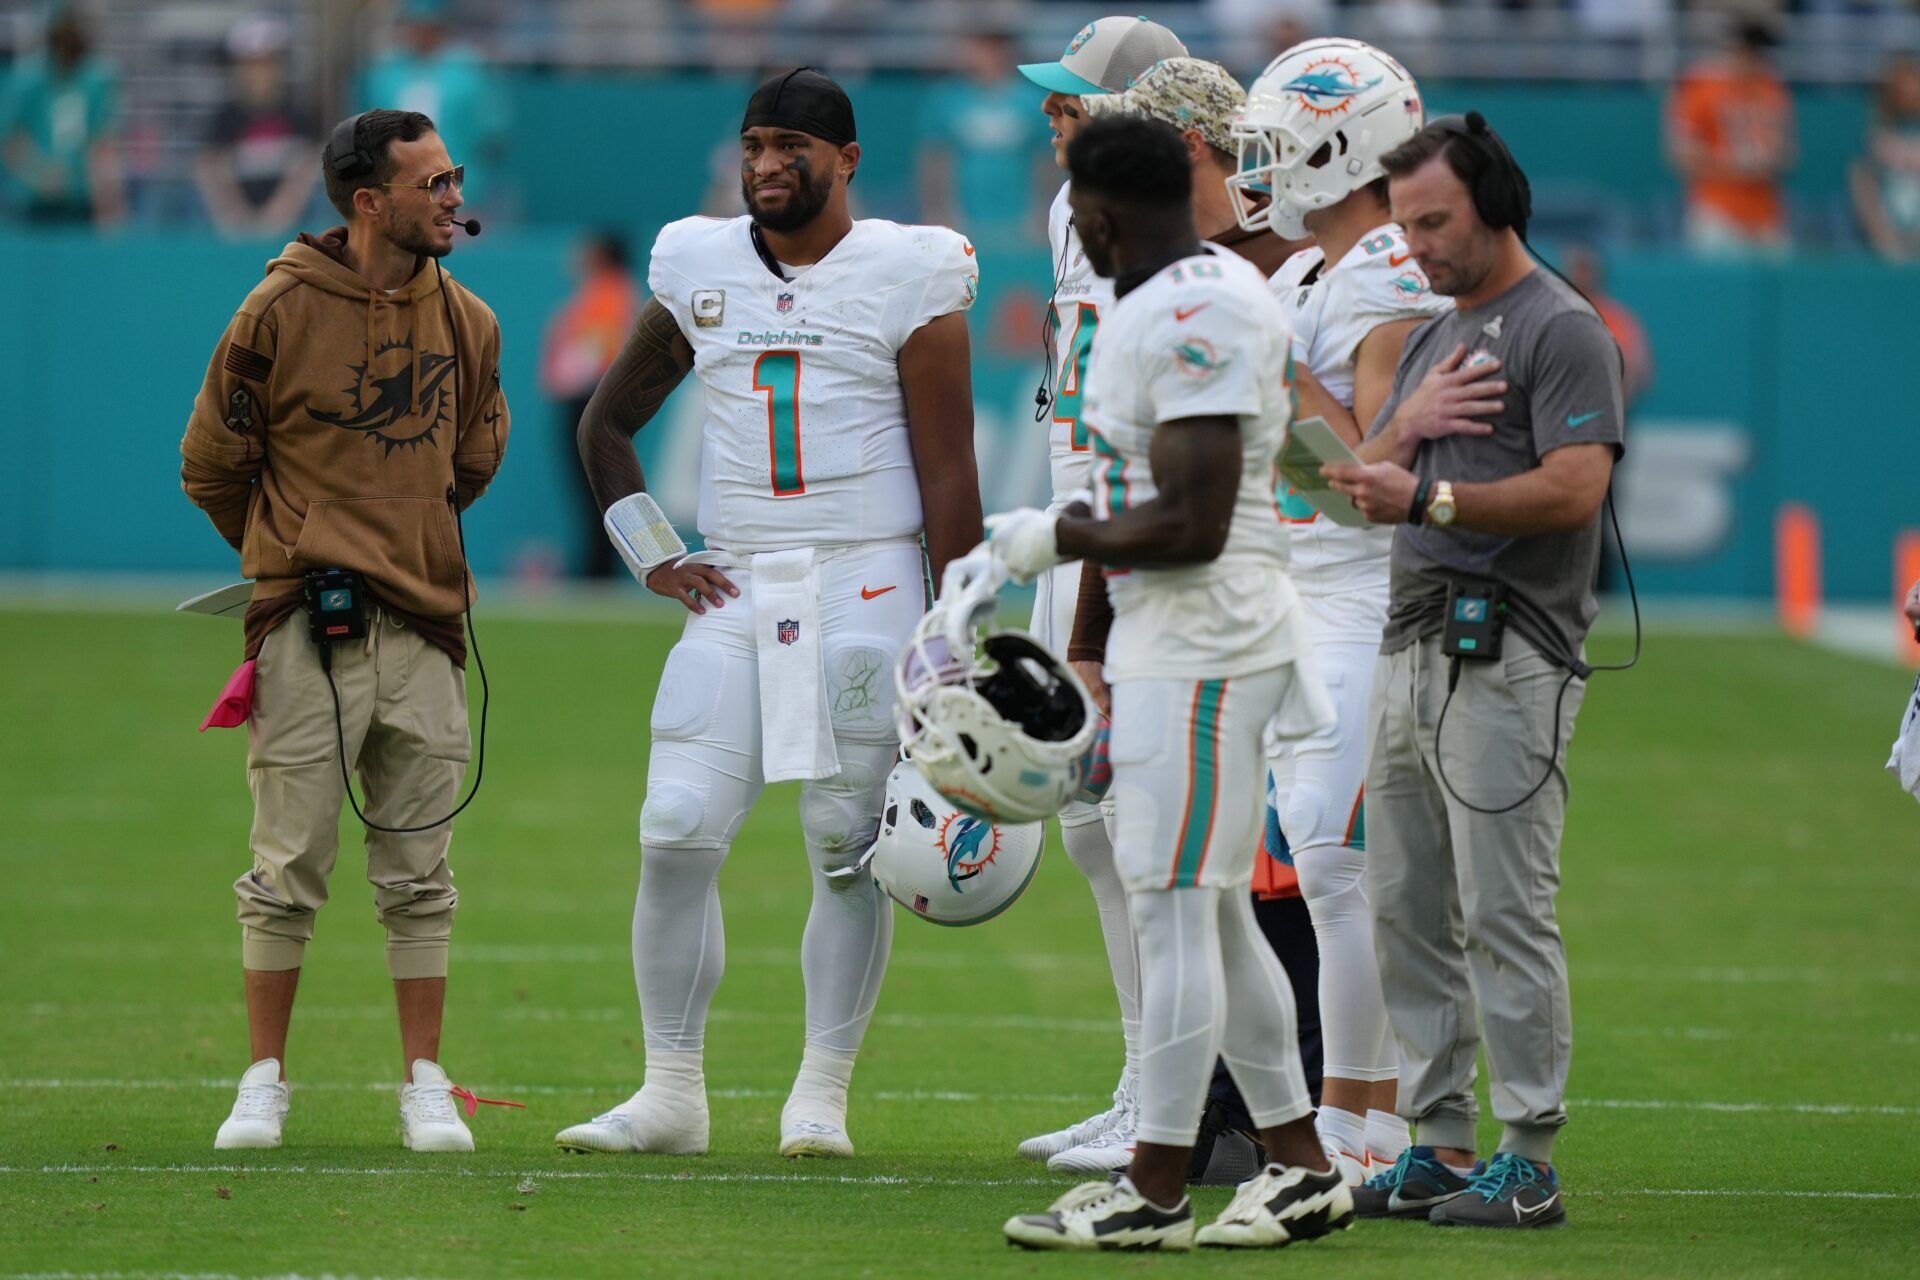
1741,890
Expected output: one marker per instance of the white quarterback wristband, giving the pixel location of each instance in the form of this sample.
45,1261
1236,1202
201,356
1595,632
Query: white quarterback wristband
642,534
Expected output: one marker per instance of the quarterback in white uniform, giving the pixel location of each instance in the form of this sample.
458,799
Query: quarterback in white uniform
833,355
1188,404
1351,301
1102,58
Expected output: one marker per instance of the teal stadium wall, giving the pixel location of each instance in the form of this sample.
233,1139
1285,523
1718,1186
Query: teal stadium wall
1775,382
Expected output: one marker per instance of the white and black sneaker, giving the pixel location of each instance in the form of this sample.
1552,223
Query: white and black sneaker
1278,1206
1105,1215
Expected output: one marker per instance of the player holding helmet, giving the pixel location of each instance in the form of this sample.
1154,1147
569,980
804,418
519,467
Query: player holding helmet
834,358
1103,57
1316,123
1187,405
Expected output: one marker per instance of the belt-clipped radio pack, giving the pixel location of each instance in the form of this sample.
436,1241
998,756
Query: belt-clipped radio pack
1476,618
336,604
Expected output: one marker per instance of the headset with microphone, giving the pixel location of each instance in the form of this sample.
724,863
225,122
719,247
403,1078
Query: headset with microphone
1501,193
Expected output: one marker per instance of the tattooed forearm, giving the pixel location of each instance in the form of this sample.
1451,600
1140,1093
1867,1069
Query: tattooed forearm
657,356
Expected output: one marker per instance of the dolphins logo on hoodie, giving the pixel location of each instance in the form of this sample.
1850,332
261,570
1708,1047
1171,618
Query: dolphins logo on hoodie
383,402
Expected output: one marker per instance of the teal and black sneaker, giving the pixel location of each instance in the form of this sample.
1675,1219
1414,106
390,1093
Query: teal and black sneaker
1510,1192
1411,1188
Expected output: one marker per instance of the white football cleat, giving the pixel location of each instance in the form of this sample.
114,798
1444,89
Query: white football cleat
429,1120
1278,1206
1105,1215
812,1130
1111,1150
1353,1169
258,1111
1048,1145
658,1124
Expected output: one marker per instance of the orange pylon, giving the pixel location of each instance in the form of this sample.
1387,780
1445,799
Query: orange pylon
1796,569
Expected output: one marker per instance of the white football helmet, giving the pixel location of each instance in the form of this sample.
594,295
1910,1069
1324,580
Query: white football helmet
1314,128
944,865
998,725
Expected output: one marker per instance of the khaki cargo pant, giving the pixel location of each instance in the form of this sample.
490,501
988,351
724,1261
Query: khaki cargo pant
1464,923
403,705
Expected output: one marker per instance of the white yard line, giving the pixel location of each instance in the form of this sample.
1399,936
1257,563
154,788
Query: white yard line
107,1084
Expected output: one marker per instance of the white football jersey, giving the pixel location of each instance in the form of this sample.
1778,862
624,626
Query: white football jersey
1080,298
805,439
1203,337
1331,311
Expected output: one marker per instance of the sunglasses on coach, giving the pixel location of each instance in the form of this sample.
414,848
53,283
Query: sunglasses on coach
438,185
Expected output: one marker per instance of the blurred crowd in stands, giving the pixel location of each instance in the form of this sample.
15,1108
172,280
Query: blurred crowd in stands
982,164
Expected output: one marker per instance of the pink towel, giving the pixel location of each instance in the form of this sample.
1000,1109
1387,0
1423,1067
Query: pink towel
235,703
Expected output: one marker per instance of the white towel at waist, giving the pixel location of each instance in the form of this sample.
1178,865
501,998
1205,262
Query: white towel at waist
796,734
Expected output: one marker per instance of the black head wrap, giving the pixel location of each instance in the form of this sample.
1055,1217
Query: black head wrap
804,100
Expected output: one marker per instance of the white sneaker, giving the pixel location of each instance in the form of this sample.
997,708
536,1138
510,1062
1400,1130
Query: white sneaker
1353,1169
1110,1150
1105,1215
258,1112
1049,1145
1279,1205
429,1120
658,1124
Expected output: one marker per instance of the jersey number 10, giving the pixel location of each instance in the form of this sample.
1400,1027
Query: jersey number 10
777,373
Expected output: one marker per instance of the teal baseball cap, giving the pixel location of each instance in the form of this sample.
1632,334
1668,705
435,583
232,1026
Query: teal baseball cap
1105,56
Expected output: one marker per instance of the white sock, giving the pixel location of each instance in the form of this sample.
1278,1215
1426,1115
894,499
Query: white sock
1183,1009
843,952
820,1090
1342,1130
1083,831
679,946
1353,1012
1260,1039
1387,1136
675,1076
1460,1170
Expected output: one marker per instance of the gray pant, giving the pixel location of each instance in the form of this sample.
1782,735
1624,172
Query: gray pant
1463,901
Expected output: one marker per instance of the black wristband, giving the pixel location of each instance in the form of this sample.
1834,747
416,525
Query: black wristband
1417,514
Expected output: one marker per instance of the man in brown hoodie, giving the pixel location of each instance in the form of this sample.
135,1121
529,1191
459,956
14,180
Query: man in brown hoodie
351,409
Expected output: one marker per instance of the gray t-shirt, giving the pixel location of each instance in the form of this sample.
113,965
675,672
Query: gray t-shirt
1563,375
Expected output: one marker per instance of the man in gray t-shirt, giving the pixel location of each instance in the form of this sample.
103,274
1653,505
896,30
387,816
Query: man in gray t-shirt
1492,457
1563,388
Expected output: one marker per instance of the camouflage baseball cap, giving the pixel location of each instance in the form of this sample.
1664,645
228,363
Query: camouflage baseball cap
1187,93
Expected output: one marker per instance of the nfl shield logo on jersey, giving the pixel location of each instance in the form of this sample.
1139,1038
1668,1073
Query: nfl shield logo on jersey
784,303
787,630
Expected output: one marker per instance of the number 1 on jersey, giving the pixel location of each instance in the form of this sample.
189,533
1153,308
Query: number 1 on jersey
778,374
1066,392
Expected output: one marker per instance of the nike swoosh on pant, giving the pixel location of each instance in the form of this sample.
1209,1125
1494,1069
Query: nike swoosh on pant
868,594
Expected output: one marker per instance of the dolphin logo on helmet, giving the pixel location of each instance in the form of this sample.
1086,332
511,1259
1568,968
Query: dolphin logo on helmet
1332,90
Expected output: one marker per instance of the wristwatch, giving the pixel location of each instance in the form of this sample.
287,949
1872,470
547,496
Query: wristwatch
1440,511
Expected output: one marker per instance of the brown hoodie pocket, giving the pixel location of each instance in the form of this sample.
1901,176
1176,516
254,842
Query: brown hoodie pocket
405,546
